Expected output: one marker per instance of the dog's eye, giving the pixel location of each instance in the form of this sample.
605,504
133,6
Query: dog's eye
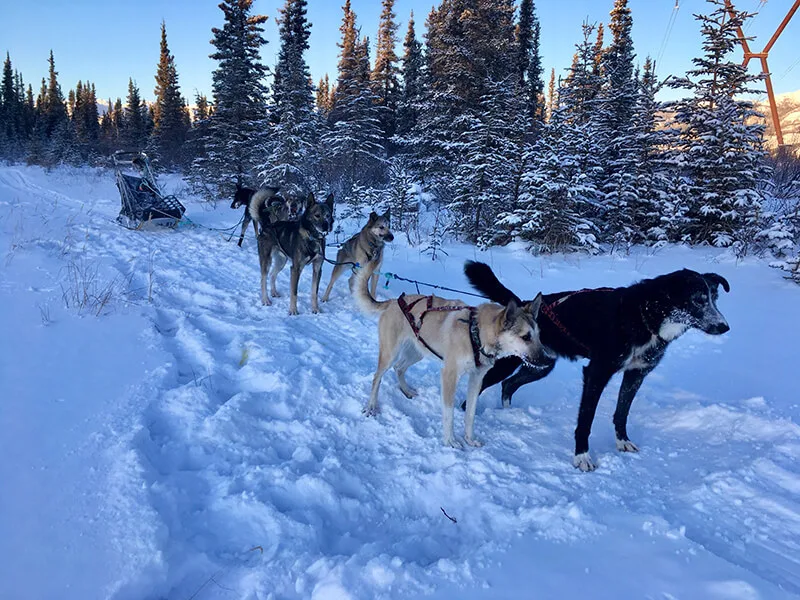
698,301
527,337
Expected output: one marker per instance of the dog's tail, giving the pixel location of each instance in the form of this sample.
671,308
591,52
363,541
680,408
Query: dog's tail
364,300
482,278
258,204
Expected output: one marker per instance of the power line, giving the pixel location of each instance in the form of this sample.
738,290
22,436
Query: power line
670,24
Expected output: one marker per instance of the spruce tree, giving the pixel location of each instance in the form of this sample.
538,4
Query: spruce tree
529,62
108,135
59,137
653,173
579,100
385,82
554,201
291,152
169,109
10,113
134,130
412,72
118,118
238,125
551,95
323,98
616,108
470,49
354,149
85,120
202,109
719,140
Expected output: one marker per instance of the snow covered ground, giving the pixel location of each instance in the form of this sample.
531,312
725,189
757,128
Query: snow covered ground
190,443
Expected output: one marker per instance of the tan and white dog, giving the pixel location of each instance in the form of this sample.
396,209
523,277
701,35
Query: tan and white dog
365,246
467,339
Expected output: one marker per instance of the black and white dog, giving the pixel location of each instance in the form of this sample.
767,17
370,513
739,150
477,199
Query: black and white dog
621,329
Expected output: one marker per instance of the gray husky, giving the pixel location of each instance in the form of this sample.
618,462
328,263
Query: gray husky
467,339
366,246
302,242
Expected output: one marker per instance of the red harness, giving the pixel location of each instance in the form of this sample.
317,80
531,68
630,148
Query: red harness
549,312
474,336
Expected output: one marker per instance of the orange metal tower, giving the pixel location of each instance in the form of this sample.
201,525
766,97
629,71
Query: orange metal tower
762,56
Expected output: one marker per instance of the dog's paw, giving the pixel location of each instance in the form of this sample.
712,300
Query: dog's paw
275,294
370,411
266,302
583,462
409,392
506,402
475,443
627,446
315,310
453,443
293,312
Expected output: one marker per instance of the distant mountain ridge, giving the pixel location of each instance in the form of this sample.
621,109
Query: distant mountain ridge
789,113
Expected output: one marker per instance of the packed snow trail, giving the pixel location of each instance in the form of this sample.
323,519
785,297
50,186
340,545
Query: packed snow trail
242,467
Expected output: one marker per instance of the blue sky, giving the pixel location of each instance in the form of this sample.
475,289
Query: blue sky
107,41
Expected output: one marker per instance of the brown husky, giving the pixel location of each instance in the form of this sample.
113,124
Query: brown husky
467,339
302,242
365,246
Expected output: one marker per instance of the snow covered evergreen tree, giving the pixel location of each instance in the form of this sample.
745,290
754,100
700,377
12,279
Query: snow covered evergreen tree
529,64
54,131
324,101
238,123
484,180
653,198
385,84
616,108
558,206
719,143
551,95
401,199
470,72
354,150
555,195
133,127
579,100
13,134
85,120
169,110
412,68
292,141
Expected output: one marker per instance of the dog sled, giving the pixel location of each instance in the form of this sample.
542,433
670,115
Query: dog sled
143,203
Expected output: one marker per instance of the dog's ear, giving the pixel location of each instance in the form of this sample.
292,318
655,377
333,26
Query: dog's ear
511,314
329,201
373,216
310,201
532,307
387,215
714,279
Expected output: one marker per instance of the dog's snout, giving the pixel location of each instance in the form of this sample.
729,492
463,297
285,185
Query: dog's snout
722,328
389,237
719,328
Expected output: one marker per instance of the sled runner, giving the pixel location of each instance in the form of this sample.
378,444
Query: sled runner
142,200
